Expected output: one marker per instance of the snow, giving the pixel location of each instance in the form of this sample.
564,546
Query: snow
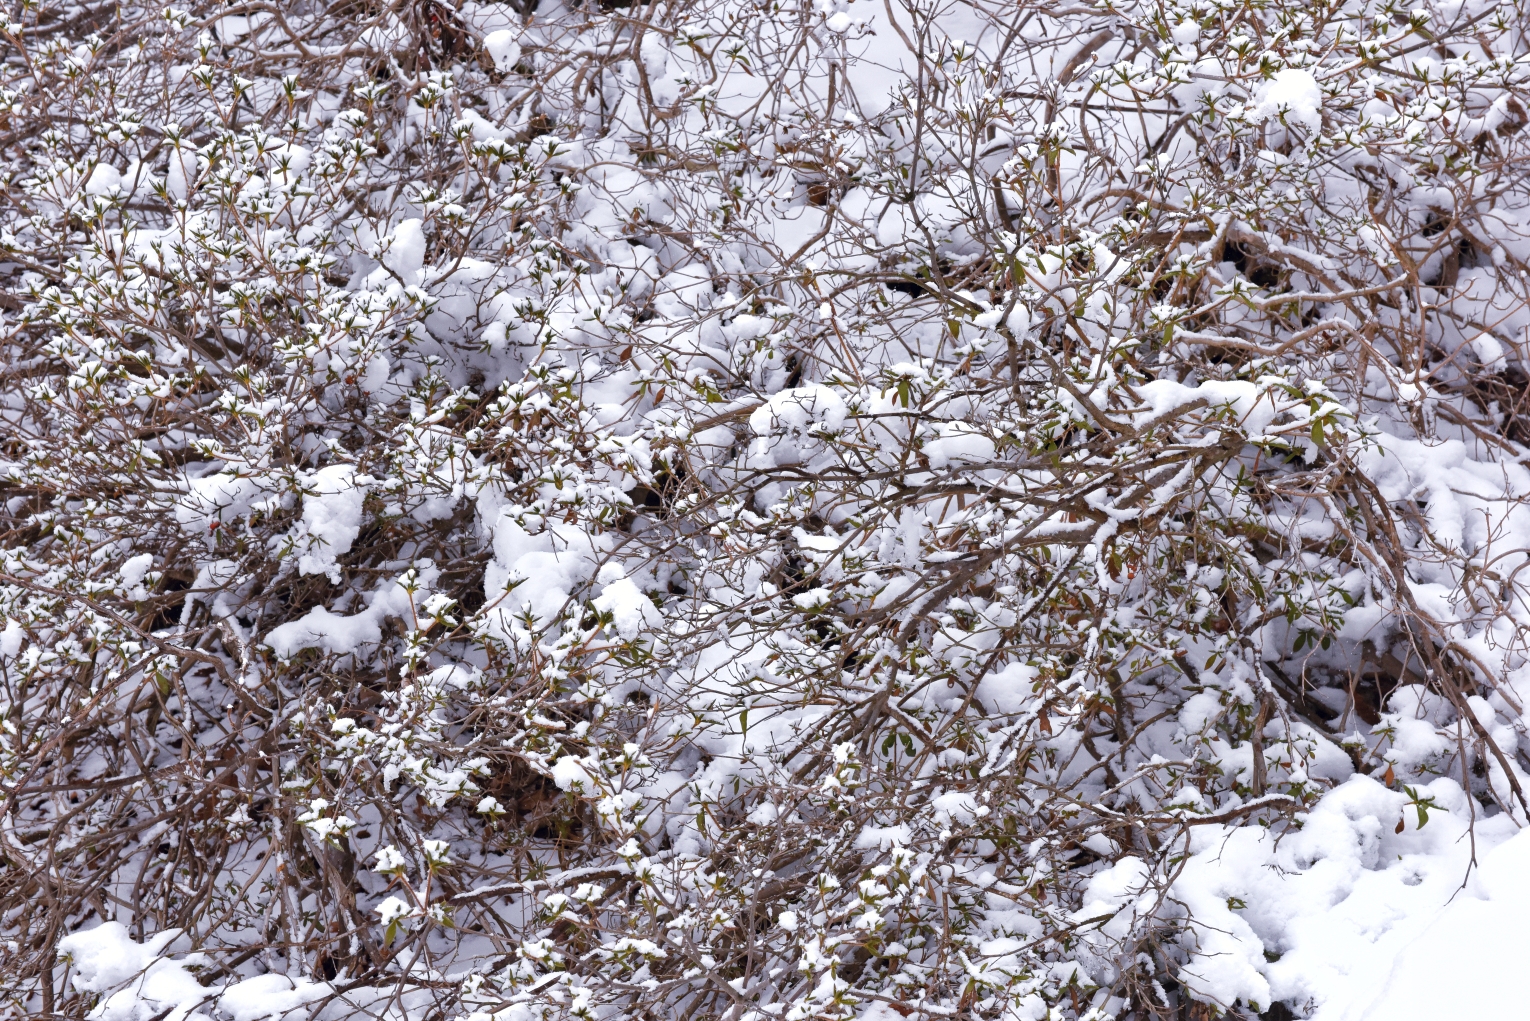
104,180
11,638
1331,916
105,957
215,499
958,443
631,610
1253,407
1007,690
133,569
1456,966
934,476
884,837
376,375
141,983
787,423
1292,93
392,909
503,47
321,629
341,634
331,520
536,575
404,251
269,996
570,774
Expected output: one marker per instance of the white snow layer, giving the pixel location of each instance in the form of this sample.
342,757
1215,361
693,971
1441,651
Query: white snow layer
1456,964
331,519
1363,923
1350,918
266,996
503,47
1293,93
344,634
143,982
140,982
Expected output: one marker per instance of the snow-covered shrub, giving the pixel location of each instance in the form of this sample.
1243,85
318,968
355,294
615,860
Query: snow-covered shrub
757,509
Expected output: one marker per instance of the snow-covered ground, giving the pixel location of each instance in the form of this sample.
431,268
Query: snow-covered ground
765,511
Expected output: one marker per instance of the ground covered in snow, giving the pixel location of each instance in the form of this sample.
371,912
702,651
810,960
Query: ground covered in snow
764,511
